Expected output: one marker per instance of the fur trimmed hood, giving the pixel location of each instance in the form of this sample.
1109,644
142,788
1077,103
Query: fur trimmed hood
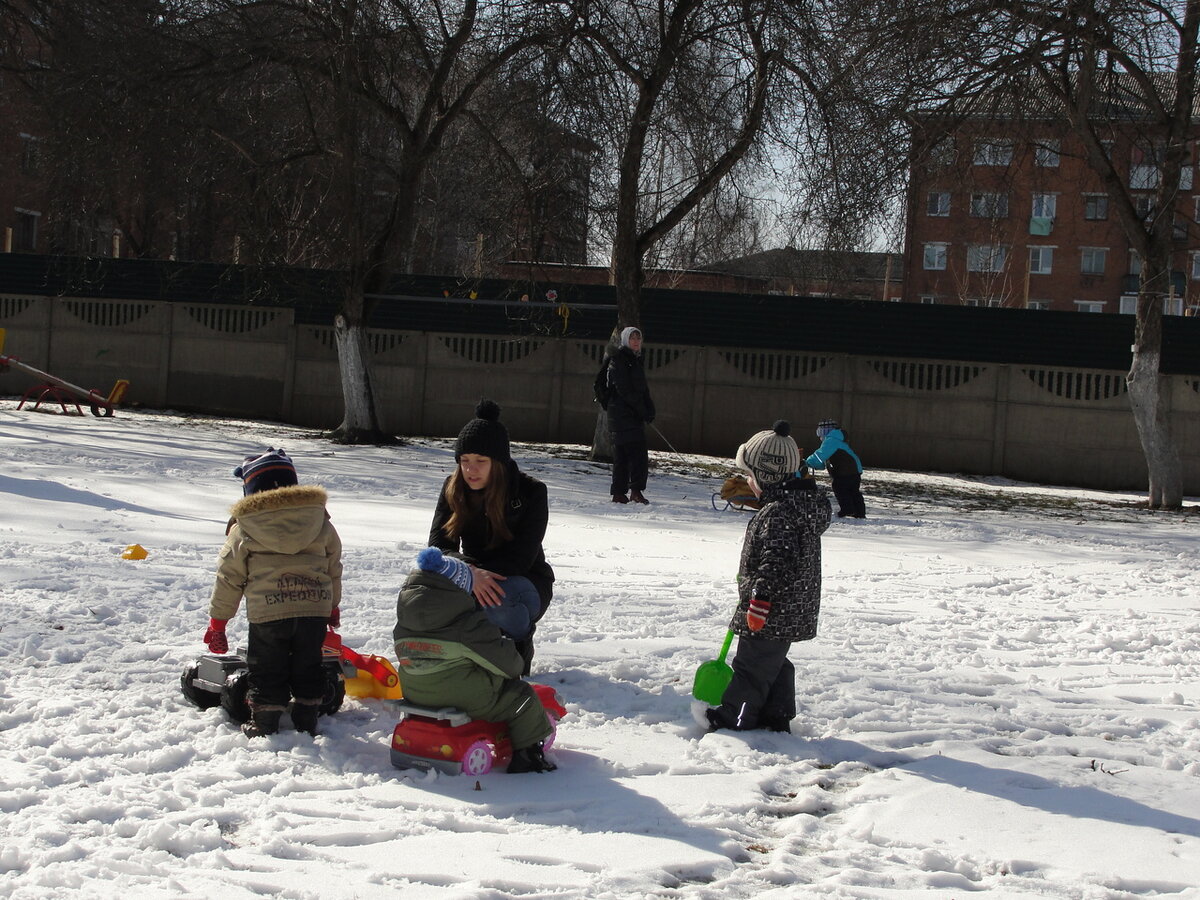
284,520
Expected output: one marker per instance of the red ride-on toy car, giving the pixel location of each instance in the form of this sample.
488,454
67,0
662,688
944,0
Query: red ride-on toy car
448,740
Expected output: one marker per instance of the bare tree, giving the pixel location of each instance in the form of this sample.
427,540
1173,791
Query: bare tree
1120,76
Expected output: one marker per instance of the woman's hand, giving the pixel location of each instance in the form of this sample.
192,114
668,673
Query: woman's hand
486,586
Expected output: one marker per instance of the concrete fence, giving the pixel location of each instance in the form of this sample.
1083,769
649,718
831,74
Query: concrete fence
1048,425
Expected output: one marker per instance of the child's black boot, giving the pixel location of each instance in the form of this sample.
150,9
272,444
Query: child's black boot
264,720
530,759
304,717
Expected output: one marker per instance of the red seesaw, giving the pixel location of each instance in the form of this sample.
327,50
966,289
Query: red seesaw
63,391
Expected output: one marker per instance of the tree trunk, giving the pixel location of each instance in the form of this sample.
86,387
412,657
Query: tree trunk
1148,392
360,425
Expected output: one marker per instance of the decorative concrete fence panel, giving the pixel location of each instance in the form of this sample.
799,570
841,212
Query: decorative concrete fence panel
1050,425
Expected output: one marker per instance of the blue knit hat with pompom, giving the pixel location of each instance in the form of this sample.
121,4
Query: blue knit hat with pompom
431,559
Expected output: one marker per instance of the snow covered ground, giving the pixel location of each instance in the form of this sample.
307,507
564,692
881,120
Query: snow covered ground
1003,700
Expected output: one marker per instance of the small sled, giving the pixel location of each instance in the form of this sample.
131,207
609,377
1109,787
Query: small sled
735,493
450,741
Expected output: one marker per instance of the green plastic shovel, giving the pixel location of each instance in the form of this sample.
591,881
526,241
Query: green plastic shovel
713,677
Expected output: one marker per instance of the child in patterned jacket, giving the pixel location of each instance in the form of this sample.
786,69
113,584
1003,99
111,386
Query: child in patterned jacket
779,584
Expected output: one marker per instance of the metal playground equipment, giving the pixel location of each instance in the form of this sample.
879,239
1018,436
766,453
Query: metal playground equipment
57,389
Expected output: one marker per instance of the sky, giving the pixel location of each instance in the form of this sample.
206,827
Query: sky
1002,701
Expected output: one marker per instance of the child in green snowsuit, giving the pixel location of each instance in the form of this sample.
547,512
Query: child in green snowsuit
451,654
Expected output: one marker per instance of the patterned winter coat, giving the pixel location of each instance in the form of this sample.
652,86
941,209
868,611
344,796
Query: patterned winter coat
283,554
781,560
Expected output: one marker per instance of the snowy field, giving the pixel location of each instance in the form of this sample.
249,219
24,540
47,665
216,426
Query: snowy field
1003,701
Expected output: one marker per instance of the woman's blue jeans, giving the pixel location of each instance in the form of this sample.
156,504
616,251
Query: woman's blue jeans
517,611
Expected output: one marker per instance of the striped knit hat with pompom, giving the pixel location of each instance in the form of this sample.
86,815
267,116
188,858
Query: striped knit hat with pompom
770,456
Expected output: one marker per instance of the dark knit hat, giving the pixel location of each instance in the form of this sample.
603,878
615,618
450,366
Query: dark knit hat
431,559
770,456
484,435
273,469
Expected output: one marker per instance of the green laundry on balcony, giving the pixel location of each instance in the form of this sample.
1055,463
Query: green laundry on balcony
1042,225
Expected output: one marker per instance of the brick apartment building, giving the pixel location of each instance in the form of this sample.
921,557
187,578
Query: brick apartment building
1000,215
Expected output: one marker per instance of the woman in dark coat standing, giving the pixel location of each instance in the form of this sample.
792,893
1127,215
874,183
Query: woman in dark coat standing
630,410
493,517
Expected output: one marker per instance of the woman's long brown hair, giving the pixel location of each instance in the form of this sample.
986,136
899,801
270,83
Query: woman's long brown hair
495,499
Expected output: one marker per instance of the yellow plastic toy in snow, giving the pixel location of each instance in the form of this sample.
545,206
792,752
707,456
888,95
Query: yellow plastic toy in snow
134,551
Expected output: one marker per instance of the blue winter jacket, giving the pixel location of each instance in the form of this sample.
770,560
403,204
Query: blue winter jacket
827,455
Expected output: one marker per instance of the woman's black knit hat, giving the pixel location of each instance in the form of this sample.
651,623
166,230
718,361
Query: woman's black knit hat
484,435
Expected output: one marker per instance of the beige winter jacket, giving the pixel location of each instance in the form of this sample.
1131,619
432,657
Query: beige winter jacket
282,554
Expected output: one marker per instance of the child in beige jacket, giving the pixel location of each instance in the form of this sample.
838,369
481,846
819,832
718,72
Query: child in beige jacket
285,557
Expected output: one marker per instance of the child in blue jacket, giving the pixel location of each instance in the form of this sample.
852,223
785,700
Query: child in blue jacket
845,469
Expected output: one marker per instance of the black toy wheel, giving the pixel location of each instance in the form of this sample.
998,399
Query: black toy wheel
335,690
233,696
197,696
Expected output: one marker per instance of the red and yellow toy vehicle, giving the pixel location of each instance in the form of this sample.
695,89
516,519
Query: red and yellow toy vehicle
448,740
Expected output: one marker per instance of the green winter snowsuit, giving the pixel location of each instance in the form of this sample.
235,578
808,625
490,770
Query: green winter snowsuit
450,654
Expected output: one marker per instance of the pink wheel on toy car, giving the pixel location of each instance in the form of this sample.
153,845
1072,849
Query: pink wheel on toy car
477,758
549,742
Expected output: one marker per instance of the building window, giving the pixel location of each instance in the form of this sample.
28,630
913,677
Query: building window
1046,153
1196,266
1179,229
1128,305
30,154
1037,304
935,256
1135,263
1106,147
989,206
25,234
942,153
1095,207
1143,205
993,153
1143,178
1089,306
1092,260
970,301
986,258
928,299
1044,205
1186,175
1041,260
938,203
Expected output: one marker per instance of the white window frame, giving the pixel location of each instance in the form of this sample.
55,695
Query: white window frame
1037,304
1143,205
1089,306
993,152
986,257
1098,199
1093,254
1135,262
1046,153
1044,204
1041,259
941,254
928,300
989,205
939,206
1196,265
1128,305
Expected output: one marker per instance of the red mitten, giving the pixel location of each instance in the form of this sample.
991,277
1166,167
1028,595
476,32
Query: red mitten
335,617
756,615
215,636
